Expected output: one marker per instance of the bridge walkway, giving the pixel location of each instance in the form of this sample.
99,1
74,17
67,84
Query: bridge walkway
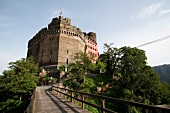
46,102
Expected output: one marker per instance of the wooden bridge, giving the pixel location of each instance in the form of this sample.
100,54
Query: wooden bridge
52,99
47,102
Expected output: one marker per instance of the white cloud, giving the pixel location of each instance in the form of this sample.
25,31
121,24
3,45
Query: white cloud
149,10
163,12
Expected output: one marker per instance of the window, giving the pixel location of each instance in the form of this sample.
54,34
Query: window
41,61
67,61
50,60
37,52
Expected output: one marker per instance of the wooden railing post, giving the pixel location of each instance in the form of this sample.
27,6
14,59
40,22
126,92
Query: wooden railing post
158,111
57,90
71,96
62,90
103,104
82,102
65,94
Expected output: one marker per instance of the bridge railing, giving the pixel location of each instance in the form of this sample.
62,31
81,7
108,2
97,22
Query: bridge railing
31,106
70,93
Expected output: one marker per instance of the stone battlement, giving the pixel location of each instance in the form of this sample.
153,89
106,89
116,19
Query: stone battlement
62,25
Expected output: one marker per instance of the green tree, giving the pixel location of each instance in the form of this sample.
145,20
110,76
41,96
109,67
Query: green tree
83,64
62,68
17,85
100,66
137,81
77,70
111,58
83,61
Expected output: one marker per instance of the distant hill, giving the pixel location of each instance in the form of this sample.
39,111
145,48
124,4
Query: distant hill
164,72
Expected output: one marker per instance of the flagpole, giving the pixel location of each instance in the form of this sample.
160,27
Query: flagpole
61,13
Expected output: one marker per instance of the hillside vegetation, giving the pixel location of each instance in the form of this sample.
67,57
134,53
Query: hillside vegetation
164,72
125,75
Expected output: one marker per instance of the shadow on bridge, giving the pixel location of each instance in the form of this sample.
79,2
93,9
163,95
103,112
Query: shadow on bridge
47,102
59,102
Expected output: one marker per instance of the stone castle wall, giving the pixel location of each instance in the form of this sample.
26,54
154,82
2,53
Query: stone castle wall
44,48
68,46
56,45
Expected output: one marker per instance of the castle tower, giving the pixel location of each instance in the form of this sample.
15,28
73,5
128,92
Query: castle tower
56,45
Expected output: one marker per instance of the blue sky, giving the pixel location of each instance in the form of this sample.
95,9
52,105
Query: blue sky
122,22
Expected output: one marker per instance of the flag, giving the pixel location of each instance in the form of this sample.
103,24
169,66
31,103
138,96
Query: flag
60,13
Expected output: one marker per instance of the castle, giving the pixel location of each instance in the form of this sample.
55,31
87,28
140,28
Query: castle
56,45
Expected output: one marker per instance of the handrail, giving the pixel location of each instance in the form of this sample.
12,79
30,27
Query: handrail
155,109
31,106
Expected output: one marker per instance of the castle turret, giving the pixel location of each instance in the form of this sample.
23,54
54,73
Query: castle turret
92,35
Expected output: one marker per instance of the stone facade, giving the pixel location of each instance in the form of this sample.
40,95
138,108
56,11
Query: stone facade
56,45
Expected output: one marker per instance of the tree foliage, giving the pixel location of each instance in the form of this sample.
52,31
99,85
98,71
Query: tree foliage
77,70
17,85
100,66
127,75
83,62
62,68
138,82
